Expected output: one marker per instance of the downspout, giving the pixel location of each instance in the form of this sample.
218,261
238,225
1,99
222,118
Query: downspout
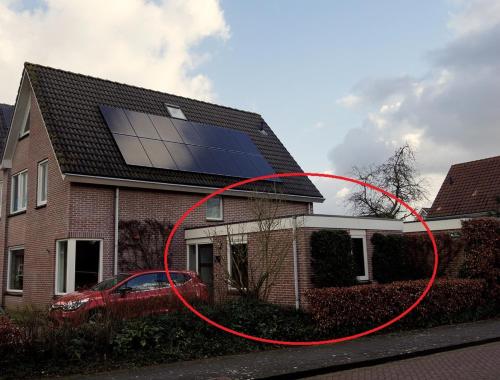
117,216
295,263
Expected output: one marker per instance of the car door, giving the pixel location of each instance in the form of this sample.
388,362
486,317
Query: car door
138,296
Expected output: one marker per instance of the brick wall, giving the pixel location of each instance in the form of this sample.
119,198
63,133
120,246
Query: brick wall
38,228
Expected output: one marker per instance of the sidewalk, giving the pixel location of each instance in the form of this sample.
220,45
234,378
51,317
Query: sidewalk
292,363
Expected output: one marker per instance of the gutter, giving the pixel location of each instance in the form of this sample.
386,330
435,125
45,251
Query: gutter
112,181
117,217
295,263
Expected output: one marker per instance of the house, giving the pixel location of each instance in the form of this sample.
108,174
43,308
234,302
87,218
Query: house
469,190
82,154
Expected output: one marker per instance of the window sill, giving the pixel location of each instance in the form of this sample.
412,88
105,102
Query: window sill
17,213
14,293
40,206
22,137
214,220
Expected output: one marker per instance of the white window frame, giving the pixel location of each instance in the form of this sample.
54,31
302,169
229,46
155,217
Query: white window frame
26,120
196,243
171,108
20,192
70,264
234,240
9,263
359,234
221,210
39,200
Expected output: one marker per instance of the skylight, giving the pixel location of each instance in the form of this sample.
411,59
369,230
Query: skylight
175,112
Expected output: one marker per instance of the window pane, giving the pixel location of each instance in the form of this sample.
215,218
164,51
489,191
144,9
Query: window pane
86,263
144,282
359,256
24,189
192,258
16,269
42,182
15,193
62,264
214,209
239,265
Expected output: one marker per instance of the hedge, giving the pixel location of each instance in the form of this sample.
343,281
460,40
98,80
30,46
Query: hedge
332,261
411,257
346,310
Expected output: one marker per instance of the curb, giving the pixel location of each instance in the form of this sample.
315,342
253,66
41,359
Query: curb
377,361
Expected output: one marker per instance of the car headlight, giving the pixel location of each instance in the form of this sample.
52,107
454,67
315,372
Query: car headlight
73,305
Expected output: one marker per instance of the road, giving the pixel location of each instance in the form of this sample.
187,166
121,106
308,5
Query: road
472,363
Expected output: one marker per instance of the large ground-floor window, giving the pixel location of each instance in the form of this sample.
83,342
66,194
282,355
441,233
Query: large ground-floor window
78,264
238,264
15,270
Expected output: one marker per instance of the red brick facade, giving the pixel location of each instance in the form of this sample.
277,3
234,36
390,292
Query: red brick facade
84,211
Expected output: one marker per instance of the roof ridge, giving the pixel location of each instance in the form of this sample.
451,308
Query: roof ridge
479,159
26,64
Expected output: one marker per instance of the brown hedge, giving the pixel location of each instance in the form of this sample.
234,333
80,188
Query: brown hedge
355,309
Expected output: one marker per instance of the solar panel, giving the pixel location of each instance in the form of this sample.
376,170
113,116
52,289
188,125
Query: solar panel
132,150
142,125
158,154
117,120
165,129
168,143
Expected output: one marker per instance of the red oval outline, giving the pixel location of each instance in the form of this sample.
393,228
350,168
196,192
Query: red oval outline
298,343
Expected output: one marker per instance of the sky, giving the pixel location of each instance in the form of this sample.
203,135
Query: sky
340,83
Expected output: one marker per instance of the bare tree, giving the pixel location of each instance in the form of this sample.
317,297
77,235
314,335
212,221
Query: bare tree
399,176
254,269
141,243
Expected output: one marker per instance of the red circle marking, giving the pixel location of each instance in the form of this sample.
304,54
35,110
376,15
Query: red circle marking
306,343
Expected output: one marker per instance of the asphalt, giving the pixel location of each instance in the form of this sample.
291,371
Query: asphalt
300,362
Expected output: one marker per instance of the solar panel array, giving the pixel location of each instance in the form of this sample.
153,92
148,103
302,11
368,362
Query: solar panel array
168,143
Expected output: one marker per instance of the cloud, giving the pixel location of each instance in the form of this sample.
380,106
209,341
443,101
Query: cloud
449,115
349,101
151,44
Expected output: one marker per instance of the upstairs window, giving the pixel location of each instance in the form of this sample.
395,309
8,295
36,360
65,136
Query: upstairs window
214,209
26,126
41,191
175,112
19,192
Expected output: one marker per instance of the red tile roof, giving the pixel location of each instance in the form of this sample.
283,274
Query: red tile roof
469,188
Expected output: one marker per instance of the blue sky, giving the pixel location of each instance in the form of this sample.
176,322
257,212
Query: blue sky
291,61
341,83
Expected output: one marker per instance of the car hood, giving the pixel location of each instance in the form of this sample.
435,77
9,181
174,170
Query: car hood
77,296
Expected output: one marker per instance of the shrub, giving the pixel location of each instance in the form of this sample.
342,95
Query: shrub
411,257
343,311
482,252
332,260
389,258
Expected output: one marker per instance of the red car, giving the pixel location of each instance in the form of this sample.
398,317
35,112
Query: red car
129,295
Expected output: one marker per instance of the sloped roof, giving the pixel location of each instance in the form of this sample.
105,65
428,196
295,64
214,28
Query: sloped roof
6,112
469,188
84,145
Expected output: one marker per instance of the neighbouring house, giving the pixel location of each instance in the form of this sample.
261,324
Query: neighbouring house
81,154
469,190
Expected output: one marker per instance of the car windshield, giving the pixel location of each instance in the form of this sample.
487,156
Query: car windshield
110,282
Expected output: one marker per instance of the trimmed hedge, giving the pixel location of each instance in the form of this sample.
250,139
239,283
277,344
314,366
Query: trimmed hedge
482,251
342,311
411,257
331,259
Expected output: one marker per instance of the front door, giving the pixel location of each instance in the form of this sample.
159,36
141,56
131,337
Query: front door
206,264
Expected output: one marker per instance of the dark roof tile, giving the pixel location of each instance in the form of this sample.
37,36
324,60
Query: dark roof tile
84,145
469,188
